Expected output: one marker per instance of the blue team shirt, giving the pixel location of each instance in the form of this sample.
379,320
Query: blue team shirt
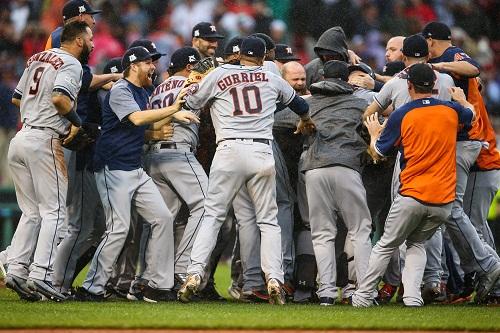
452,54
120,145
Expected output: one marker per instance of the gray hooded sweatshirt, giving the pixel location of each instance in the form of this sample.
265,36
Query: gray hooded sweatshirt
337,114
333,40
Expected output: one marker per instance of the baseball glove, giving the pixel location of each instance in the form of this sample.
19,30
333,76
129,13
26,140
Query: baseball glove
200,70
80,141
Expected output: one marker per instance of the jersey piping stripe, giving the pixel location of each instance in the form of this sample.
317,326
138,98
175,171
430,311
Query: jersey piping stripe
77,235
107,234
202,214
58,205
64,90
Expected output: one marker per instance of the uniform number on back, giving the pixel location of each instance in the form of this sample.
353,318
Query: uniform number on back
163,103
251,100
36,80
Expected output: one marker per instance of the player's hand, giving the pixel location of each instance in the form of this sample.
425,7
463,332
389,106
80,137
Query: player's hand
306,127
72,133
362,80
354,59
373,125
457,94
438,66
164,133
186,117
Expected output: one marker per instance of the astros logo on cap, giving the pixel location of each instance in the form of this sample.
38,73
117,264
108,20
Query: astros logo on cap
192,58
81,9
212,27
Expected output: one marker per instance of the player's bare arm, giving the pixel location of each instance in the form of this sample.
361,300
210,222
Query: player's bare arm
371,109
374,128
64,107
16,102
164,133
458,95
101,80
462,68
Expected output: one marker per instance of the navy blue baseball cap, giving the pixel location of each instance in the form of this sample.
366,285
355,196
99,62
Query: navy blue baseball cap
150,46
113,66
415,46
206,30
437,30
285,53
335,69
233,46
77,7
422,75
393,67
253,47
363,68
135,54
184,56
268,40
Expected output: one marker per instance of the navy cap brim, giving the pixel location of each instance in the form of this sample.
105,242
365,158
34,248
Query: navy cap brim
93,12
216,36
156,56
290,58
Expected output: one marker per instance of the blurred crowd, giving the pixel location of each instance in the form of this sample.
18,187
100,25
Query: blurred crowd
25,25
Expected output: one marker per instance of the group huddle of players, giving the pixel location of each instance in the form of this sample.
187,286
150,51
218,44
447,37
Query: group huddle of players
308,167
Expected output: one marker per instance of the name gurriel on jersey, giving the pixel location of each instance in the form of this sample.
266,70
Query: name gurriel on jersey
232,79
47,57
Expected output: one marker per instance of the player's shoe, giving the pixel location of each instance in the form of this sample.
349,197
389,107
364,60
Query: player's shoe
386,293
136,291
153,295
326,301
254,296
19,286
46,289
430,292
210,293
486,284
234,291
189,288
83,295
275,291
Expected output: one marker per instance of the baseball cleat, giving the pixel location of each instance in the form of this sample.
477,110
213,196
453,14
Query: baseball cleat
19,286
326,301
254,296
486,284
189,288
276,294
83,295
234,291
431,292
46,289
153,295
386,293
209,293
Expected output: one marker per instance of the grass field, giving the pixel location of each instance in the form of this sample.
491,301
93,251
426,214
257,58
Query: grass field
232,315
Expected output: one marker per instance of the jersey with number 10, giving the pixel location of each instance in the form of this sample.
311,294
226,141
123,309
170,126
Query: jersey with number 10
243,100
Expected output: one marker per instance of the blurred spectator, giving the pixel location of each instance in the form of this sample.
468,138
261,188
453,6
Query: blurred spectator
188,13
421,11
20,11
134,15
8,125
278,31
106,46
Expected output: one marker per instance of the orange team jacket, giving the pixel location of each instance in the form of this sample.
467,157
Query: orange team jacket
425,132
489,157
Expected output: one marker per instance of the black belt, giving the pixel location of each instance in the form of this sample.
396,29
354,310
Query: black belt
264,141
43,128
172,145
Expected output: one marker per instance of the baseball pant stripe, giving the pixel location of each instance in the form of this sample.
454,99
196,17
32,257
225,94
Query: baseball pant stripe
58,203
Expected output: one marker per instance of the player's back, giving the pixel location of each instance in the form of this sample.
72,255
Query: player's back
165,95
243,100
40,79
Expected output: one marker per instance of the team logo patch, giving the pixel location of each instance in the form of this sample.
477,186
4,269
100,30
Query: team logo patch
250,52
132,57
81,9
192,89
289,50
460,56
236,48
212,27
197,33
153,45
114,69
70,81
192,58
426,101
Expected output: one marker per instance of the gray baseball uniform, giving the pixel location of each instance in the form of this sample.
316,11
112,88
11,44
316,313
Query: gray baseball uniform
37,163
243,104
176,171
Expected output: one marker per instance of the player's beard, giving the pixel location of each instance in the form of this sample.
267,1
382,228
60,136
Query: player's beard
84,56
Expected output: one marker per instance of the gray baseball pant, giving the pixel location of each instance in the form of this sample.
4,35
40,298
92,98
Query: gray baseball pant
471,249
120,191
178,175
480,192
414,222
36,161
334,192
237,163
85,220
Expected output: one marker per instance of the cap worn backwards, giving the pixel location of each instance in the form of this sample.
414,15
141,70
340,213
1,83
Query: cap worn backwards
437,30
421,75
253,47
415,46
335,69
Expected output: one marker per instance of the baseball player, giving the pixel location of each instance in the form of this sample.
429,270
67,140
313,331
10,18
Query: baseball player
46,94
284,54
425,132
123,185
243,102
332,167
475,254
393,95
392,53
172,163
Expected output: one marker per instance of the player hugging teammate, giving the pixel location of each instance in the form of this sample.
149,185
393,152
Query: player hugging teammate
305,167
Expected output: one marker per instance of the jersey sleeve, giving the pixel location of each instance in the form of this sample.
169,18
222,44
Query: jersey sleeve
457,54
19,91
391,135
86,78
200,94
286,92
383,97
69,79
122,102
465,115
